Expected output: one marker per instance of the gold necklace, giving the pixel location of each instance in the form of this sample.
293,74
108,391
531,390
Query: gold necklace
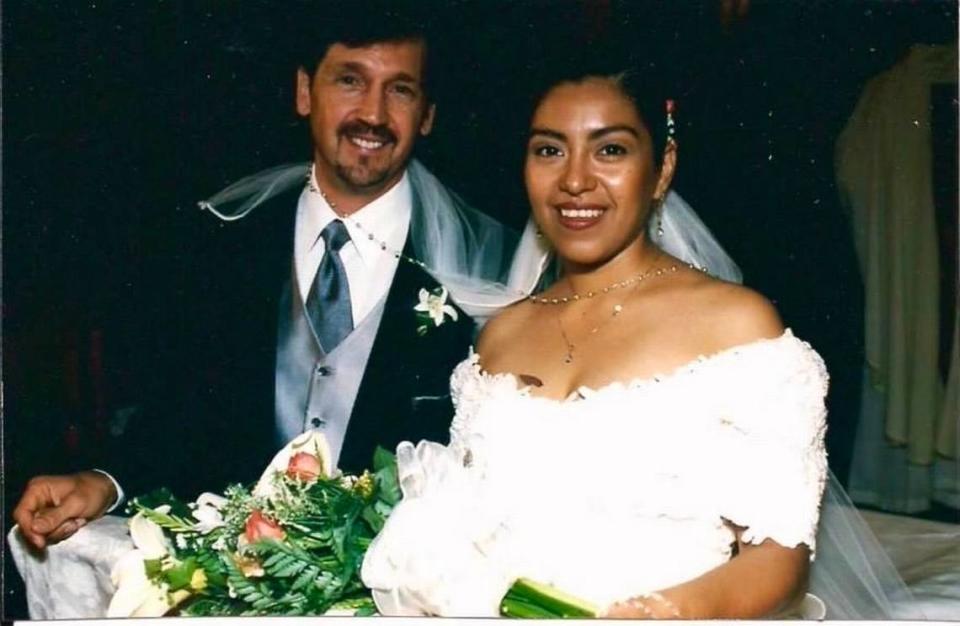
613,287
617,310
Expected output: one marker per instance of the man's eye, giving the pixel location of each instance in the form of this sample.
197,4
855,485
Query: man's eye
348,79
612,149
405,90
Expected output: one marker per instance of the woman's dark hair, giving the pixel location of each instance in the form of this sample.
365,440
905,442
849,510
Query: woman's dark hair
642,84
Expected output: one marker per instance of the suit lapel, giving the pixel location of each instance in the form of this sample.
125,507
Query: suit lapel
388,370
403,367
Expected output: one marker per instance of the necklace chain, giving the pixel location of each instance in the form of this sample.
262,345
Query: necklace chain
314,188
575,297
617,308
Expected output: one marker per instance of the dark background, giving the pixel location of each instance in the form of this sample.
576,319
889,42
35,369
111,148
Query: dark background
118,117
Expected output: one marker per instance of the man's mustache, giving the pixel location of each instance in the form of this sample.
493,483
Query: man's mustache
379,132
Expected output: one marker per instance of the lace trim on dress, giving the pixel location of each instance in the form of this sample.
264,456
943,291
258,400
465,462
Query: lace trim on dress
766,404
472,366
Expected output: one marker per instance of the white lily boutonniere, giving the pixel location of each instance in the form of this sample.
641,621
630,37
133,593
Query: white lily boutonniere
433,309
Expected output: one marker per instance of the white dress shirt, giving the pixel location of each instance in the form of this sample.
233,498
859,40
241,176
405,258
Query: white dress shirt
369,268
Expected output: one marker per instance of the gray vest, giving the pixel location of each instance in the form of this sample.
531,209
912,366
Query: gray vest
316,390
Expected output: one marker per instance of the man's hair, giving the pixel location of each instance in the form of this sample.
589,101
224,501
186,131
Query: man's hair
361,23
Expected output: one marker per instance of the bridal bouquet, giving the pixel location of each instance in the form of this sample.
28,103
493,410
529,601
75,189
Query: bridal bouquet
291,545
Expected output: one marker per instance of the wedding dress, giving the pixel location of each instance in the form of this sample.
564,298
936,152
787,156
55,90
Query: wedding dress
614,492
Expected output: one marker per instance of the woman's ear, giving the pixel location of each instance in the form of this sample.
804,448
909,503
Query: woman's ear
667,167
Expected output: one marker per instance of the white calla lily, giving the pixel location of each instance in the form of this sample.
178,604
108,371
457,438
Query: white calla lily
136,595
207,512
148,537
211,499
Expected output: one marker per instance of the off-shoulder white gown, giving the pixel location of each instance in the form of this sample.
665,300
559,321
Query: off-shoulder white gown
616,491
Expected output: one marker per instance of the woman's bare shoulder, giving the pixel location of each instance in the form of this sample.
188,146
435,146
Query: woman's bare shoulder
739,315
723,314
504,327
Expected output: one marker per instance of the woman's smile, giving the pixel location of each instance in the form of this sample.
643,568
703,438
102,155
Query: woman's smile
579,216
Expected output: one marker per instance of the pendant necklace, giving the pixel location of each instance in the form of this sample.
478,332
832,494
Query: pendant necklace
570,347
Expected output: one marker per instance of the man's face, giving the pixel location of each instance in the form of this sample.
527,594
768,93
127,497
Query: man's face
366,106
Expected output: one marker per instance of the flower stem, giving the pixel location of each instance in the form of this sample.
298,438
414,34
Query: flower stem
530,599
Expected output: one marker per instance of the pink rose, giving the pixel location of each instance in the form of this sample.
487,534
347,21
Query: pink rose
304,466
261,527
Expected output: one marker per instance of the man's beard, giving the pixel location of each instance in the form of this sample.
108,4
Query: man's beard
363,175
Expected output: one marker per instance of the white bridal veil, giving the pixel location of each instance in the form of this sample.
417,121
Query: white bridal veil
483,264
486,266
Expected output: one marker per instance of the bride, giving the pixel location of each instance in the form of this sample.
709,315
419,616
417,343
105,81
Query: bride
641,435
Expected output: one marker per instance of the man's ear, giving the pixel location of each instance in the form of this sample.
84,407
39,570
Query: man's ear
426,125
667,167
303,92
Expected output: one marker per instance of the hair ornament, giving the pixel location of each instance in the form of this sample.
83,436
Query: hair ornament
671,106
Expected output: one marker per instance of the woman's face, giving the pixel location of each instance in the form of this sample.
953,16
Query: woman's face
590,172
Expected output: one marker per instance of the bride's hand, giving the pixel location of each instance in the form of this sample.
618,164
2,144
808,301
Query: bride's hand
650,606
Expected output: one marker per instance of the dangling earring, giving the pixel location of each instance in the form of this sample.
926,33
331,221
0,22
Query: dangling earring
670,105
658,215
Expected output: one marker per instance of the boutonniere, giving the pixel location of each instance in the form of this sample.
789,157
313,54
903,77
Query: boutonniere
433,309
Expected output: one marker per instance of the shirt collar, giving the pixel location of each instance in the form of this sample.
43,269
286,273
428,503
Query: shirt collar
385,218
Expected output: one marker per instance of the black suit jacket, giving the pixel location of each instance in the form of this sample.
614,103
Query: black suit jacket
208,417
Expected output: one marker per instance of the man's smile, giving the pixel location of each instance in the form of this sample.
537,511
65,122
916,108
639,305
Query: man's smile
366,142
367,138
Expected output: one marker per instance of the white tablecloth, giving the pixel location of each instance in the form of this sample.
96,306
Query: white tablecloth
72,578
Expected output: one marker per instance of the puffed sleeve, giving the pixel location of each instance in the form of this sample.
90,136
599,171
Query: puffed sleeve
773,464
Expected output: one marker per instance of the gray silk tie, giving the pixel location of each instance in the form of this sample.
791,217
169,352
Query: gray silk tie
328,304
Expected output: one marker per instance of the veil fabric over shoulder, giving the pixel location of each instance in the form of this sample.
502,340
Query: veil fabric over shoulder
486,266
687,238
483,264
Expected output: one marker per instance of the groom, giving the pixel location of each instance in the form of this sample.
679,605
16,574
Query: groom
303,310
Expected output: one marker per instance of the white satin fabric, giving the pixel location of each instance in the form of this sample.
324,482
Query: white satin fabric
72,579
618,491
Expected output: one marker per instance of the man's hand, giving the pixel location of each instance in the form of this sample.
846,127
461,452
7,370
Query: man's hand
54,507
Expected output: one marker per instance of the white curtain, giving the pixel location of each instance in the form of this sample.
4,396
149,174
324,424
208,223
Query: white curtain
907,445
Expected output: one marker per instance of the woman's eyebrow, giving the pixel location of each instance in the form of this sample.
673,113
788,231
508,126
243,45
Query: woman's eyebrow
594,134
553,134
607,130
